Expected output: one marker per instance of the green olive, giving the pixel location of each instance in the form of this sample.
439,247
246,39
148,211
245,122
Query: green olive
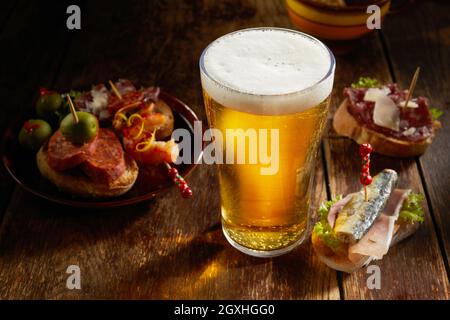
84,131
34,133
48,105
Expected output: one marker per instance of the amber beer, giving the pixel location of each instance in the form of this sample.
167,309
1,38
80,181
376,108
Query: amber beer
267,80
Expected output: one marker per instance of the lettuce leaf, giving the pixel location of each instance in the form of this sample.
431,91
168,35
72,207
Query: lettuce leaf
322,228
435,113
365,82
411,211
327,235
326,206
75,94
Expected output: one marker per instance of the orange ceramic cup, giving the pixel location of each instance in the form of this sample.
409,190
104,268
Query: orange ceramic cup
332,23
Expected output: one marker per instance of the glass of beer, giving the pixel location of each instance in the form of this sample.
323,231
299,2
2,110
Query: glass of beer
266,94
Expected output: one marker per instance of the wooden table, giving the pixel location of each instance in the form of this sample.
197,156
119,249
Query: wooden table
172,249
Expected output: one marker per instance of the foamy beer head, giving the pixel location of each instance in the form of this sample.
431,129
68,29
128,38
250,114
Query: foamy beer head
267,71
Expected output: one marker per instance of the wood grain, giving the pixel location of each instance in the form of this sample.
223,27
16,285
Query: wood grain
413,269
5,13
428,47
171,248
168,248
30,61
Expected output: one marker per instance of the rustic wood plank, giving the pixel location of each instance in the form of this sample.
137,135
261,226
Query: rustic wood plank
31,61
6,12
428,47
413,269
168,248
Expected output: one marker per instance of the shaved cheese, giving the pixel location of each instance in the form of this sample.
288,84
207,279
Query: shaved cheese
386,114
409,132
99,100
411,104
373,93
99,103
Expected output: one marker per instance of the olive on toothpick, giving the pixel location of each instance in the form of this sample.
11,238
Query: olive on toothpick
78,126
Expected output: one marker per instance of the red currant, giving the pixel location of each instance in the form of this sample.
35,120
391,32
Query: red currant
186,193
173,173
366,179
365,149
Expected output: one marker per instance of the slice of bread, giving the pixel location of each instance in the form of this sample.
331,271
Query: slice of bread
345,124
81,185
341,262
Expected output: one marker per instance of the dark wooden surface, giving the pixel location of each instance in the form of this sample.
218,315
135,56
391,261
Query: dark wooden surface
175,249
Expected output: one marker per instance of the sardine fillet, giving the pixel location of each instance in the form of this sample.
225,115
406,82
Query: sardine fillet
358,215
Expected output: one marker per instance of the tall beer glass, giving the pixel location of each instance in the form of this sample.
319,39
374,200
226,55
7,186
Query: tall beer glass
268,90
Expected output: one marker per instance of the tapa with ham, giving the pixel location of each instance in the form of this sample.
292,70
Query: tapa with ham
351,232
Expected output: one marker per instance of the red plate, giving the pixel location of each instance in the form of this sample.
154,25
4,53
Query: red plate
21,165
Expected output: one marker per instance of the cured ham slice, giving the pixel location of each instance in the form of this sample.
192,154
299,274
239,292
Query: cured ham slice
377,240
130,97
390,117
124,86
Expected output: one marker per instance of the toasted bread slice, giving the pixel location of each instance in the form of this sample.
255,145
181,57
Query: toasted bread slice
345,124
81,185
341,262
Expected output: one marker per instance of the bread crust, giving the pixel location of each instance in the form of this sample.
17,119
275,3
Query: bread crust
341,262
80,185
345,124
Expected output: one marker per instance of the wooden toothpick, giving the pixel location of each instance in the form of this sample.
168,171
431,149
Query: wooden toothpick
72,108
412,86
114,89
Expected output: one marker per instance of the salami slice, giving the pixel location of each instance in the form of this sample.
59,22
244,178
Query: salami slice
63,154
107,162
